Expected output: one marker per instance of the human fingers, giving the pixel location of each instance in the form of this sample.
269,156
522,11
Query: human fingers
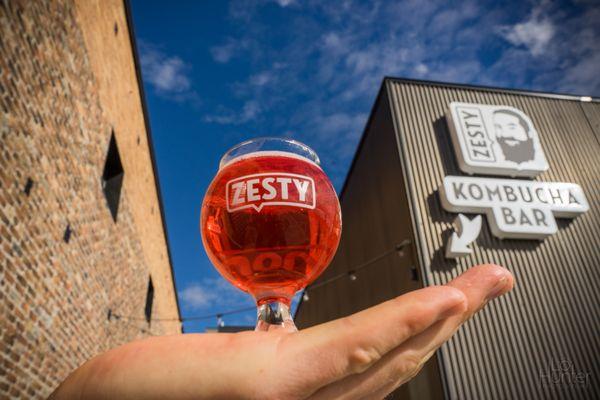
479,284
329,352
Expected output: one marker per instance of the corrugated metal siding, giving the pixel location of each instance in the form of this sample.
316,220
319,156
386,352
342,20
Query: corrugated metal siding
373,222
592,112
553,312
375,219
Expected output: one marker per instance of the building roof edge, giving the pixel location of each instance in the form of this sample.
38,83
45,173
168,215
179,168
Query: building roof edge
557,96
138,73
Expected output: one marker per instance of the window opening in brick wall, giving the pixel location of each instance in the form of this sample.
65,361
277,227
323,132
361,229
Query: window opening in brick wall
149,300
112,177
67,234
28,186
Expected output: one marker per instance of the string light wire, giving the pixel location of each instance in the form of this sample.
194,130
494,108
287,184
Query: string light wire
351,274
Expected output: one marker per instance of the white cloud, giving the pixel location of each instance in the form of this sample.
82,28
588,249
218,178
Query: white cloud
213,293
169,75
534,34
339,123
223,53
333,135
198,296
464,72
230,49
582,77
250,111
285,3
336,55
421,69
261,79
570,60
332,42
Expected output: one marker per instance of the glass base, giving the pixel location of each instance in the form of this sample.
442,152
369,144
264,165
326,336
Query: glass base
273,316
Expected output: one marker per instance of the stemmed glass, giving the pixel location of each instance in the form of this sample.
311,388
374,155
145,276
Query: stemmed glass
271,223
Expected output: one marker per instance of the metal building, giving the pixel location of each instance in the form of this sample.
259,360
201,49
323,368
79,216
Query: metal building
415,170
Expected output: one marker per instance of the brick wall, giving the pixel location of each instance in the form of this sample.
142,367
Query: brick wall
64,261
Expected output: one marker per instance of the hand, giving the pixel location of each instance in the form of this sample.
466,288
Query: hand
365,355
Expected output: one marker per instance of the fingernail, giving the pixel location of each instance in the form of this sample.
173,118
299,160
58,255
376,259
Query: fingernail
498,289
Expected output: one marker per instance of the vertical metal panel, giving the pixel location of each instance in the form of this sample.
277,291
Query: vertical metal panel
552,315
375,220
592,112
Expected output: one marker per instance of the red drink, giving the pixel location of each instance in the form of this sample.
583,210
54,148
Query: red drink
270,223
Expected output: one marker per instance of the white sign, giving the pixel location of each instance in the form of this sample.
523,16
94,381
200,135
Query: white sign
515,208
467,231
495,140
501,140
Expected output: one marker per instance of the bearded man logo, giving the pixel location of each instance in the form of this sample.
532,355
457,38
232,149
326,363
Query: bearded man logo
514,136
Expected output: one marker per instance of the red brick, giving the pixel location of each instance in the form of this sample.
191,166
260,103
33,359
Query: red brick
56,121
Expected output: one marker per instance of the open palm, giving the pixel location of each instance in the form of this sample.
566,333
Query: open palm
365,355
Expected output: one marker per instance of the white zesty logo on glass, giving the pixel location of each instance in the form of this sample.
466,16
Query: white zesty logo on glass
270,189
495,140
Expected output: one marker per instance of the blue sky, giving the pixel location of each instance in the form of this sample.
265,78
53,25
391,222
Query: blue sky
216,73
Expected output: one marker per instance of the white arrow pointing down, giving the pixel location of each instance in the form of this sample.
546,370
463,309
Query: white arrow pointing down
465,233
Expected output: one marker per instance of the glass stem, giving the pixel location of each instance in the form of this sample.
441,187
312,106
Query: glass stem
274,315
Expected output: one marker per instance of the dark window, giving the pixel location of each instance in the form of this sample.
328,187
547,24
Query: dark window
112,177
67,234
149,300
28,186
414,274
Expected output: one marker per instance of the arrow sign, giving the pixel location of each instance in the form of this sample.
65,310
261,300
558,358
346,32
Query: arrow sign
466,232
